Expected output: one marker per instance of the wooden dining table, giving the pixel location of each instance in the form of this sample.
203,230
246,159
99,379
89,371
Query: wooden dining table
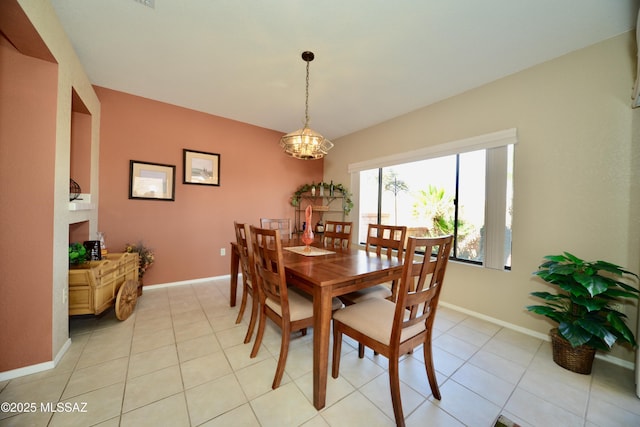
323,277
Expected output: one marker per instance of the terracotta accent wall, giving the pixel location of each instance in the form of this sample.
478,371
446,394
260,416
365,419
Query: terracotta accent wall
28,93
256,180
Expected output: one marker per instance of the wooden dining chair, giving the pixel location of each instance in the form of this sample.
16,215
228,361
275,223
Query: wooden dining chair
395,328
245,250
290,309
337,234
282,224
381,239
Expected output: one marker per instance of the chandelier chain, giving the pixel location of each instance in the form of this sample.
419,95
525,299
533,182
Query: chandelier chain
305,143
306,102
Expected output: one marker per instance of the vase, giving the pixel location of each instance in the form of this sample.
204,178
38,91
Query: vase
103,245
307,234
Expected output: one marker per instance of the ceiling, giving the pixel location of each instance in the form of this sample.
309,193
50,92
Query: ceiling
374,59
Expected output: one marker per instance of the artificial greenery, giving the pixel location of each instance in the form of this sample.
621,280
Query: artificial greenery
146,256
347,205
77,254
582,307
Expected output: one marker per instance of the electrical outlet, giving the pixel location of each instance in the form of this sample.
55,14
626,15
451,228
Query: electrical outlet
617,306
223,251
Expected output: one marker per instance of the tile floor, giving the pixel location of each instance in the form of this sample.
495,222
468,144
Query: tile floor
179,361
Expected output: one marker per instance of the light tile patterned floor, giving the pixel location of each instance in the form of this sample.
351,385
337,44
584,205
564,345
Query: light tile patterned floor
179,360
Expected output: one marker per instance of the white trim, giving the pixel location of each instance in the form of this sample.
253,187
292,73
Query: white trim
39,367
480,142
62,352
495,321
545,337
27,370
185,282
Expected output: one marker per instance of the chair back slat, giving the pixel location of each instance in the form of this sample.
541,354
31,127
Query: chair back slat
387,239
337,234
282,224
269,266
423,273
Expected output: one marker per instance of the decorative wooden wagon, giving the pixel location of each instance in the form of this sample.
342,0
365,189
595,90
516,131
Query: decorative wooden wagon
97,285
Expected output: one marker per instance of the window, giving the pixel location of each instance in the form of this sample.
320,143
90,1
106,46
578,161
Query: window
462,188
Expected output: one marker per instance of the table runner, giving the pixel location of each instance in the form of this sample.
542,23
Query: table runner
313,252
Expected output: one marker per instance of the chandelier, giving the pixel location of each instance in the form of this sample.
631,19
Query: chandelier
305,143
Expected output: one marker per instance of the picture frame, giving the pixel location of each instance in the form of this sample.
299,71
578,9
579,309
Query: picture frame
151,181
201,168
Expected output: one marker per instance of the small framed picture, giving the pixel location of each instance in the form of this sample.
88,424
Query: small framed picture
151,181
201,168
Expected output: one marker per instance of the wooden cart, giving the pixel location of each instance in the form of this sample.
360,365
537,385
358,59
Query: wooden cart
97,285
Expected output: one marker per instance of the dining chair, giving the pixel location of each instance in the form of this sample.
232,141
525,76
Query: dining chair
282,224
289,308
245,250
381,239
395,328
337,234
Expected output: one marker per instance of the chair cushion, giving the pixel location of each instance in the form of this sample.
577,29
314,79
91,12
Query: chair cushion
300,305
374,318
378,291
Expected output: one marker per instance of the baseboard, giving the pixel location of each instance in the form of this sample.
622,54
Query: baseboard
185,282
62,352
599,355
34,369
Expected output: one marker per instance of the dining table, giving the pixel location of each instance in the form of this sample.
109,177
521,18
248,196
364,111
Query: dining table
325,273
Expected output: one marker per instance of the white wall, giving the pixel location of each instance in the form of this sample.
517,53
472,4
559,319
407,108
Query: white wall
575,173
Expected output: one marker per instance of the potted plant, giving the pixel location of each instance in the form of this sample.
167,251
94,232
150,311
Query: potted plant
582,308
348,203
77,254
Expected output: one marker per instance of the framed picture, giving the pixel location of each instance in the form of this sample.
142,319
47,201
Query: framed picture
151,181
201,168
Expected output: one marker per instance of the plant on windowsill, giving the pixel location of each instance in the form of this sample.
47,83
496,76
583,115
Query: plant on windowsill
582,308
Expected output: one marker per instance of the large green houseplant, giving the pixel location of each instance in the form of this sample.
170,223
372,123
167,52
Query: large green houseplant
582,307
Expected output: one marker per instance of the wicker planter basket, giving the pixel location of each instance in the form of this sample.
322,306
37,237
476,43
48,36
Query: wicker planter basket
578,359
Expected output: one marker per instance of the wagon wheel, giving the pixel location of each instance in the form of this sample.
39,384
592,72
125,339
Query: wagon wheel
126,299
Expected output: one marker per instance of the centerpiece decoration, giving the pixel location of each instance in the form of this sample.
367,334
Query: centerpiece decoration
307,234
